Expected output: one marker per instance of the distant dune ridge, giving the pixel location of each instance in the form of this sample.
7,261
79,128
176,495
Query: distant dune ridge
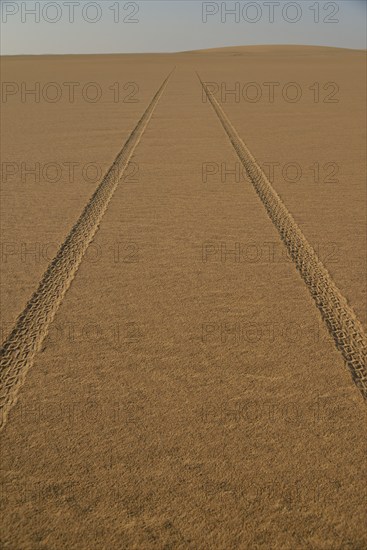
275,49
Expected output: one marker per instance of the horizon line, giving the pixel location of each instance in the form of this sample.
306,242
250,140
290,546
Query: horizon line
203,50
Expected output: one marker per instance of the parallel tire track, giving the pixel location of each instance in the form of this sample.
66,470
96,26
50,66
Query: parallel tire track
339,317
31,327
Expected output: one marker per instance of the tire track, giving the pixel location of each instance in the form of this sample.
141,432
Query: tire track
19,350
342,323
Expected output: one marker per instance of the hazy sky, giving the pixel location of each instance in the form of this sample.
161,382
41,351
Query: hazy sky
114,26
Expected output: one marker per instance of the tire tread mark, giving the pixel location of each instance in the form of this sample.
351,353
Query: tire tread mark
25,340
342,323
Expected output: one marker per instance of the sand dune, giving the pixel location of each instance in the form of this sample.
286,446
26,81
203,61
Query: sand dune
187,369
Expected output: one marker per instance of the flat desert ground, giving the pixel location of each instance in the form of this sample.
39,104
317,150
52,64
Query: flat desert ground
178,385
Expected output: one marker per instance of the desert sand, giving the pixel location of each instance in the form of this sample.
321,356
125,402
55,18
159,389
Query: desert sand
179,385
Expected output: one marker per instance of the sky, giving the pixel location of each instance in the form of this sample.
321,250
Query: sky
120,26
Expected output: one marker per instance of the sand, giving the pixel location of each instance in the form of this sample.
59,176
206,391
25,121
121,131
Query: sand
186,396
